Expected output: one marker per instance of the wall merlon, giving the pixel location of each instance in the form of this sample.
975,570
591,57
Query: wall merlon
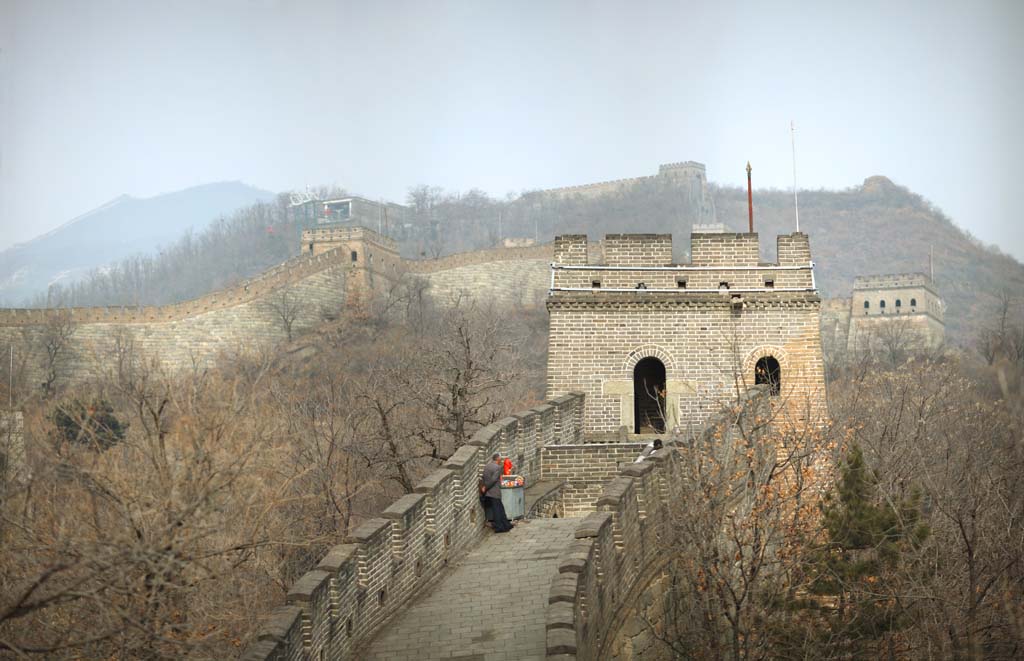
563,588
637,470
263,650
283,622
462,457
593,524
342,556
369,531
436,480
304,589
560,615
614,491
405,507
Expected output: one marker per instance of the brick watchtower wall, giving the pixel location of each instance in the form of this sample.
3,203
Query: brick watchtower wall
334,609
708,323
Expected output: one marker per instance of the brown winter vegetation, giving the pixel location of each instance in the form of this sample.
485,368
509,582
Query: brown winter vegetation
162,515
896,532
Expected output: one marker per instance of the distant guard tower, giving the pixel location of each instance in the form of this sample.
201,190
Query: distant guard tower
656,345
903,307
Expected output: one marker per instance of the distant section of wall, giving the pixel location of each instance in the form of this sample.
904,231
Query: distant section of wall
516,283
340,270
184,335
690,176
336,608
835,325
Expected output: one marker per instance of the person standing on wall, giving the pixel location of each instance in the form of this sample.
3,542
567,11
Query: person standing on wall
491,484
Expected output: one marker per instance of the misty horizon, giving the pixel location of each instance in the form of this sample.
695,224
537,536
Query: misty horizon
115,98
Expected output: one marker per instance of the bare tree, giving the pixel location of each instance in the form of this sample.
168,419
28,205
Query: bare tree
750,493
55,345
286,307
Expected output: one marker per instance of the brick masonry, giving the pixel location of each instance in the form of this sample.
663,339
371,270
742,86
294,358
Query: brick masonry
708,334
901,307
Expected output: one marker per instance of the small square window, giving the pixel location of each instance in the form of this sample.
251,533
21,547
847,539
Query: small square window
681,283
769,284
596,284
723,285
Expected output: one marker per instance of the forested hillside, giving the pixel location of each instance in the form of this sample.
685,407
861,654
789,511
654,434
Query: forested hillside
120,229
874,228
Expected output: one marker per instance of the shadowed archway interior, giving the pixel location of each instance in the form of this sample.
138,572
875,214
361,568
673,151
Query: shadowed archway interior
649,397
767,371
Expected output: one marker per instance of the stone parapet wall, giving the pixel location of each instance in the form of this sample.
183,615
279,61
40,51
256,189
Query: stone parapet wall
512,282
584,470
892,280
335,609
638,249
289,272
182,341
528,253
619,548
719,262
683,281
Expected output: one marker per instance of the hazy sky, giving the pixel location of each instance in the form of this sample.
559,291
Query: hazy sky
99,98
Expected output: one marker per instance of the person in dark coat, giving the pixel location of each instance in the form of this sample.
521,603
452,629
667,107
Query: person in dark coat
491,480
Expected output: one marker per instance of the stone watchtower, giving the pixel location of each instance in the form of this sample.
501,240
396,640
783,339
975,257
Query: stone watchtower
373,262
656,345
899,306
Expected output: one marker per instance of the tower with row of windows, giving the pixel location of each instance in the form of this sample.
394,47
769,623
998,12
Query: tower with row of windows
903,304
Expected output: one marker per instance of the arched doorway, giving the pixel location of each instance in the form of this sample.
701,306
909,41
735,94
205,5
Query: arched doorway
767,371
649,397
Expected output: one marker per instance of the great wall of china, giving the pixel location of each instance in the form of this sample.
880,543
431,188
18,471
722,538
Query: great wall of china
725,341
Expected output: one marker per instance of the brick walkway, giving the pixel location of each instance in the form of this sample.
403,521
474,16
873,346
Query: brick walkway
491,607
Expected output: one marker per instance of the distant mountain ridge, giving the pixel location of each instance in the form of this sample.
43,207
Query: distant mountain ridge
877,227
120,228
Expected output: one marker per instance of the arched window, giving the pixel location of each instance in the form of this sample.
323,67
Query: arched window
898,302
881,304
767,370
913,302
867,304
649,397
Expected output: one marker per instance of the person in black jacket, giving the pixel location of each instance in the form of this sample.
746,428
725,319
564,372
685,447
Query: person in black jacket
491,480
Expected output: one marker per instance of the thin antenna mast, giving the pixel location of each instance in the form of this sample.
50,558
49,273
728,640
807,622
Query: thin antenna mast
931,262
750,200
796,201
